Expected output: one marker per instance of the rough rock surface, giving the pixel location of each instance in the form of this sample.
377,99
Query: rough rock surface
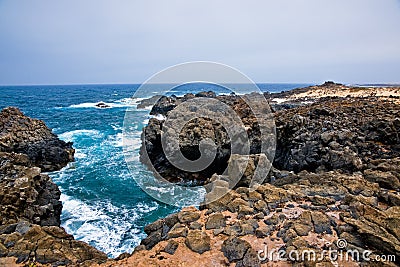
153,155
30,205
27,194
21,134
337,134
305,211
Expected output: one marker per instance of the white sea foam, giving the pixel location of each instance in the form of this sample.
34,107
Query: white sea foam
279,100
132,143
86,105
159,117
79,154
114,140
116,127
72,135
96,225
126,102
121,103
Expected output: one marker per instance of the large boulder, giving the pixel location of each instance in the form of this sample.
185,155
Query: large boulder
198,241
225,122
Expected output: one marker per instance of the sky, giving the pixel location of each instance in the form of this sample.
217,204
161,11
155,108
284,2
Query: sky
96,41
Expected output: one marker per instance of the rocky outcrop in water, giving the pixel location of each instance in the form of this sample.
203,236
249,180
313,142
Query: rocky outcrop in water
202,127
30,205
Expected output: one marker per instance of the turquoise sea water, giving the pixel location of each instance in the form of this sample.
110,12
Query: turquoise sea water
102,204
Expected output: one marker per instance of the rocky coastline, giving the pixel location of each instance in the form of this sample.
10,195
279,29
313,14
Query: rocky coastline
30,206
335,176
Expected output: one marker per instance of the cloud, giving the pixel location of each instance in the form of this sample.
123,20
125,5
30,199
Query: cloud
127,41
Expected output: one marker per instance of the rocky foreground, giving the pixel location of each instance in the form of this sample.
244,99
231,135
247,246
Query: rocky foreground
335,177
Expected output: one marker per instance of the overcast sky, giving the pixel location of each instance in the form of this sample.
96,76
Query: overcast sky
63,42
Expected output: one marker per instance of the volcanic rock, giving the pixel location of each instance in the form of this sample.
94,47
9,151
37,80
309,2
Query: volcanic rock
21,134
198,241
30,205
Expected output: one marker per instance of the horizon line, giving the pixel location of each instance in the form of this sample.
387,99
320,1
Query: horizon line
63,84
306,83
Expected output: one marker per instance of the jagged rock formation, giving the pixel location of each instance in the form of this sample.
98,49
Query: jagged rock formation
337,134
27,194
30,205
21,134
197,129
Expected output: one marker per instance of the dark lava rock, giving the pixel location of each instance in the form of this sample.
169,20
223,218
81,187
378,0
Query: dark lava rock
148,102
27,194
102,105
206,94
342,134
152,239
199,128
152,227
171,247
30,205
235,248
21,134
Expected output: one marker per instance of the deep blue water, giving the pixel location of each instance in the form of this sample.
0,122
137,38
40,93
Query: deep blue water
103,205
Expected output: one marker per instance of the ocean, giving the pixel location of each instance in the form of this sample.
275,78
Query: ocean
102,204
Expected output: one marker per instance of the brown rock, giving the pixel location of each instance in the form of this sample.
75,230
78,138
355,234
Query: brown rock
198,241
195,226
188,216
321,223
216,220
234,205
384,179
302,229
263,231
179,230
